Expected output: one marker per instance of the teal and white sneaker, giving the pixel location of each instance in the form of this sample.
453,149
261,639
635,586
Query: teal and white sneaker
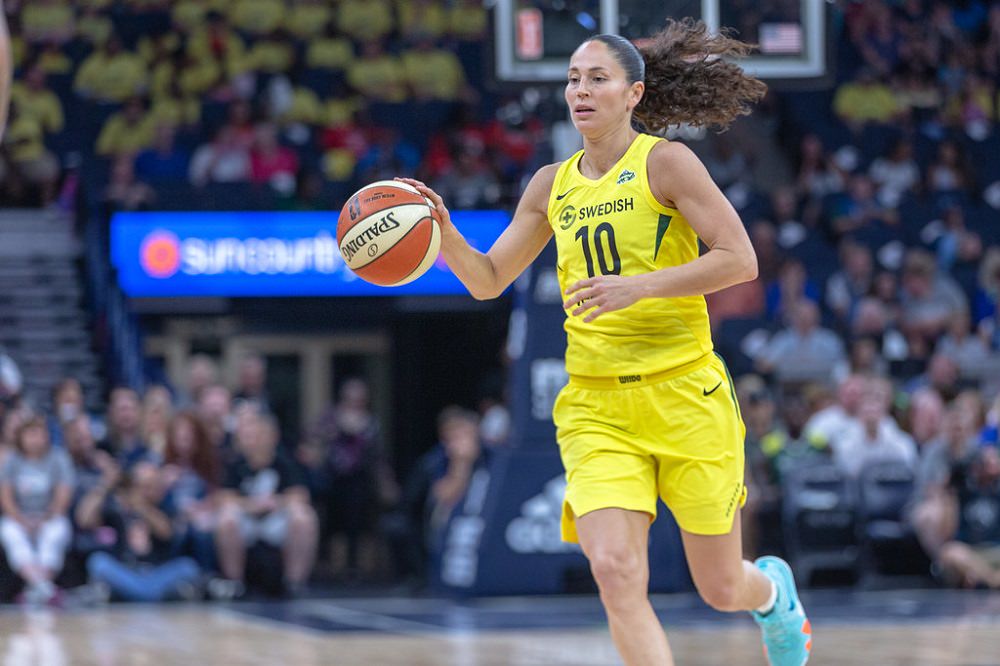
786,630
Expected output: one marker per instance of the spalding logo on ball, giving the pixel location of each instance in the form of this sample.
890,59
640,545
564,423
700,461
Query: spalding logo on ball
388,233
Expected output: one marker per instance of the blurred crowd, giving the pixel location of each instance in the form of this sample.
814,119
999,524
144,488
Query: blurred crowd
870,338
300,101
871,335
196,493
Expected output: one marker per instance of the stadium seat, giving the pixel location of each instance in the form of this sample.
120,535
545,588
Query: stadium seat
888,543
819,521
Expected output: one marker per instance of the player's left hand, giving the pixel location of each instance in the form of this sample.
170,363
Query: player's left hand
601,294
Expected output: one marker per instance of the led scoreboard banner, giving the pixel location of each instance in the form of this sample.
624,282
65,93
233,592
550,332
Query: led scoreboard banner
166,254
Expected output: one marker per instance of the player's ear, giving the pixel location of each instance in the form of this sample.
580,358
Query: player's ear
635,94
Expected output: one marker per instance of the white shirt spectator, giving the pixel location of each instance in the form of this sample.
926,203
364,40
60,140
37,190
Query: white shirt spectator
857,447
803,350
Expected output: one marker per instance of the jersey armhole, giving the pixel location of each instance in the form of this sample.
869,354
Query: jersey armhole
647,191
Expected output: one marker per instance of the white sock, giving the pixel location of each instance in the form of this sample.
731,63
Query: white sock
771,600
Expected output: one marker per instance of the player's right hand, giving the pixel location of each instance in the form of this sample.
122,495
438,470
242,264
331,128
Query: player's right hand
443,214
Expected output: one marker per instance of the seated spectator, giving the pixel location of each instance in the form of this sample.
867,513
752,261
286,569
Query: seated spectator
144,565
31,163
110,74
435,487
215,41
987,296
852,281
272,163
377,74
423,19
201,372
157,412
53,61
949,172
188,15
176,108
968,350
929,299
47,21
36,488
127,132
803,350
895,174
468,20
251,383
164,161
855,448
925,413
433,73
308,19
329,50
872,321
124,439
864,100
471,182
225,159
191,475
125,192
365,20
94,27
791,286
970,558
831,419
347,460
273,54
817,176
265,499
940,375
67,405
770,257
257,17
859,213
97,475
35,100
956,245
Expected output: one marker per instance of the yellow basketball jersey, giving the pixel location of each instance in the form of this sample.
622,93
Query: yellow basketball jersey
615,226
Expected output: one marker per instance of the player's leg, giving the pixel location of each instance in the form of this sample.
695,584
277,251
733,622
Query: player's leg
615,542
725,581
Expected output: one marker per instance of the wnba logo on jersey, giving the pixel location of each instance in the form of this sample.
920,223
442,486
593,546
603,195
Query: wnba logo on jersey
625,176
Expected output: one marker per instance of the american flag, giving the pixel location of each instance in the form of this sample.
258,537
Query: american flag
780,38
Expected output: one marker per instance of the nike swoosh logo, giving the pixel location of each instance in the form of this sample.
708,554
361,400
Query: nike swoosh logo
707,392
560,197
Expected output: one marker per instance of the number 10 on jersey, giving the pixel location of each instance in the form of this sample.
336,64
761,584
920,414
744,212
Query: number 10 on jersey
604,234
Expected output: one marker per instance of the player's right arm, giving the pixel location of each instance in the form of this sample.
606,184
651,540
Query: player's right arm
487,275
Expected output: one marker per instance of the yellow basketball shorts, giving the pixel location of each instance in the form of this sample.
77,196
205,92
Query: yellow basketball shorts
677,435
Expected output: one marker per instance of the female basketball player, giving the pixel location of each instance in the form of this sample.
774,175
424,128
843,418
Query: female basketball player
649,410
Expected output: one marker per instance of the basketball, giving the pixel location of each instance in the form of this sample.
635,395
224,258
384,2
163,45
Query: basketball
388,233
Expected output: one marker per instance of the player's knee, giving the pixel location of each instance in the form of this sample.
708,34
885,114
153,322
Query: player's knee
723,594
618,572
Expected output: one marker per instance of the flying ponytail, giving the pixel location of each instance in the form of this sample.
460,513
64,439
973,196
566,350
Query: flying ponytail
688,78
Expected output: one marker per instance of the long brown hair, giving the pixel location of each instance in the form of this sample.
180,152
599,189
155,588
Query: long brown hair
203,460
687,75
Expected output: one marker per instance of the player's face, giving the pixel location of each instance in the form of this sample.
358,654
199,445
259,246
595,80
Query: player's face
598,92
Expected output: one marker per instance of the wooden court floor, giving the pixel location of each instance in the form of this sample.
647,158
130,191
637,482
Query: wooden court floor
894,630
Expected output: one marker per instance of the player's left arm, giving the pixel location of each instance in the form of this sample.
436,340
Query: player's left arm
6,68
678,179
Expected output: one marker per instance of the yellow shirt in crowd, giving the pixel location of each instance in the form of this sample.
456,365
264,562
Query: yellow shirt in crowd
117,137
257,17
25,139
111,79
380,78
435,74
365,20
306,21
329,53
855,102
42,105
422,18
